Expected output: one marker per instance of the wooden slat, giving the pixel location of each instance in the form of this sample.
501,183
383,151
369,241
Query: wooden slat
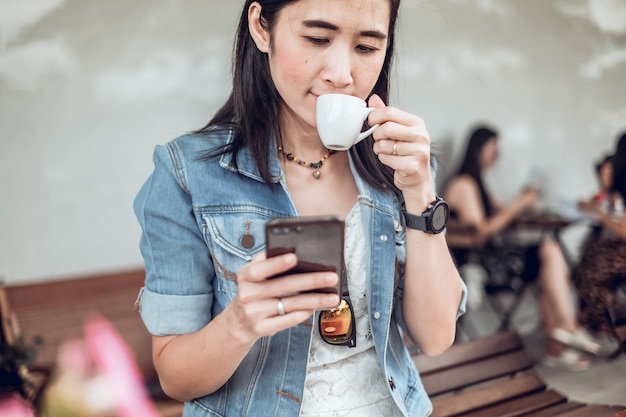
475,372
594,410
520,406
472,350
470,400
471,379
55,323
556,410
67,291
56,311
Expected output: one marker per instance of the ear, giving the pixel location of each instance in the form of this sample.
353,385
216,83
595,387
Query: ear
260,36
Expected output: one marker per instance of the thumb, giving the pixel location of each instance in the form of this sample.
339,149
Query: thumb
376,102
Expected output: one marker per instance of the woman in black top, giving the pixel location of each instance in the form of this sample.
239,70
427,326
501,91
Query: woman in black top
471,203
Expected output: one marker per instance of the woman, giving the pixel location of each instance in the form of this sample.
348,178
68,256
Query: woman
471,203
603,198
603,257
226,339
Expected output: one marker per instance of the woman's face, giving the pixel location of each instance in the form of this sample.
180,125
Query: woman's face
326,46
489,153
606,175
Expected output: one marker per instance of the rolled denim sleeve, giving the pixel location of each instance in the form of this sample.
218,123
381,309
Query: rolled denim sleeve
165,314
178,296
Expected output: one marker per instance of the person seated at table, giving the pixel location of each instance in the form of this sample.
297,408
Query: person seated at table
471,203
603,256
603,199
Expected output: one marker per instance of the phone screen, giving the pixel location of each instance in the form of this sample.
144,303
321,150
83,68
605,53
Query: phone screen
317,241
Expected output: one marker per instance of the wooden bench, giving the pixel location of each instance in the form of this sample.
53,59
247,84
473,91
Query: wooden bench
489,376
493,376
55,311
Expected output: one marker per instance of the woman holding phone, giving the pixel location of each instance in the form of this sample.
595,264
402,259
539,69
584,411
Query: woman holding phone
227,339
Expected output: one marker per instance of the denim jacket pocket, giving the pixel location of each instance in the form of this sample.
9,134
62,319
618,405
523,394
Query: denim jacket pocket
234,236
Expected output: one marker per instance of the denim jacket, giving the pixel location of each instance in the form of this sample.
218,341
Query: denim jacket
194,212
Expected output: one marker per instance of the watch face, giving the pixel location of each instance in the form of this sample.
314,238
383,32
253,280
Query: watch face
439,217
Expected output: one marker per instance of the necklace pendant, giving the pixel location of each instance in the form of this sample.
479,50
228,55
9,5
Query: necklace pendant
313,165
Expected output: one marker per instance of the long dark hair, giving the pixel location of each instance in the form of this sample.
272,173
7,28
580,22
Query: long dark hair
470,164
619,167
251,111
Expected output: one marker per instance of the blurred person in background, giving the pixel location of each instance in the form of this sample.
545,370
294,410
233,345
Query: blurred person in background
603,256
603,199
471,203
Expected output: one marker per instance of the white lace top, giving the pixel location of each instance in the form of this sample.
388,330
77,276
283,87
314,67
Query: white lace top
343,381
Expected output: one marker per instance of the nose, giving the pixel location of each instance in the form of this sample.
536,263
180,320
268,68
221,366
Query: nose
338,67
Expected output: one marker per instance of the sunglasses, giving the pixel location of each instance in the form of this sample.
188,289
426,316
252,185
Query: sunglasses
336,325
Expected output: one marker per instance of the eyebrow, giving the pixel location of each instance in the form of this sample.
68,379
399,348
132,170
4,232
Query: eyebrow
327,25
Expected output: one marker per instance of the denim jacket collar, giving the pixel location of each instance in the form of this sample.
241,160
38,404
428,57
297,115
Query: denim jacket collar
247,165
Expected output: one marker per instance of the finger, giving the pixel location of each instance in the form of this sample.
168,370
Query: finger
396,115
260,268
275,324
297,283
309,301
295,309
250,291
272,307
394,149
420,151
392,131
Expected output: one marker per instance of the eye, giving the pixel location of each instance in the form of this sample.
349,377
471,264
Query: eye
317,41
366,49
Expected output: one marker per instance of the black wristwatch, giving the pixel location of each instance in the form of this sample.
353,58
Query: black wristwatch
433,220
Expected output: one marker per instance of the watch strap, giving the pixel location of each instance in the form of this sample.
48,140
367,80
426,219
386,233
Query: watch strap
424,221
415,222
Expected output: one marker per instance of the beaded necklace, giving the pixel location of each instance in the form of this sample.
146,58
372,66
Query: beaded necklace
314,165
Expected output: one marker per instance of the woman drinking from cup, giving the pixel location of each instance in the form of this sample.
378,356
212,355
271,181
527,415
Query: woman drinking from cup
228,340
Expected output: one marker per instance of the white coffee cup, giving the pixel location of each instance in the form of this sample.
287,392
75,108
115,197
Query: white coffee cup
340,119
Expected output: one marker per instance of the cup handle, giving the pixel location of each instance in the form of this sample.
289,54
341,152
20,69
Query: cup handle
369,131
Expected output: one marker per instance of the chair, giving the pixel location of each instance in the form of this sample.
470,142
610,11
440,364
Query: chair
503,264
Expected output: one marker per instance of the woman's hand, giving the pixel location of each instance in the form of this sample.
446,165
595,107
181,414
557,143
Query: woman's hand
528,198
403,143
589,207
254,312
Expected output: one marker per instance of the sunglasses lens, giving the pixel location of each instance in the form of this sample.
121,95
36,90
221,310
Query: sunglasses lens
336,323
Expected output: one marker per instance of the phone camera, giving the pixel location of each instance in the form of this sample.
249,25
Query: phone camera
280,230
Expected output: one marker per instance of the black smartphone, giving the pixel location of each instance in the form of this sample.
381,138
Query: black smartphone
317,241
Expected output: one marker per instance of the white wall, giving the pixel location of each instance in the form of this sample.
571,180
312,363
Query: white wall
87,88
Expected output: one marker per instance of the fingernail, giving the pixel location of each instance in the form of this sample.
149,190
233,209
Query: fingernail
289,258
332,278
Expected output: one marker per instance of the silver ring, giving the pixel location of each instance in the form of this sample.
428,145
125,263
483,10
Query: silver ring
394,151
281,307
